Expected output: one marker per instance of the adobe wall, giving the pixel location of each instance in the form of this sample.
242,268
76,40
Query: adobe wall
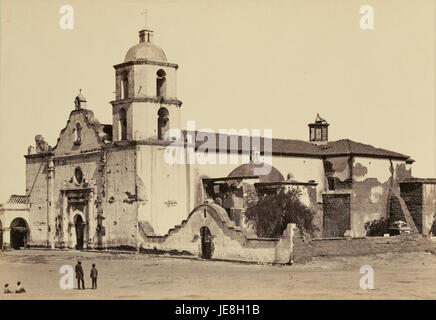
372,179
36,187
338,169
229,241
119,203
162,188
305,249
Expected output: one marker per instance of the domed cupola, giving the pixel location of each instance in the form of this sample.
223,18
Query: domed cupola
145,49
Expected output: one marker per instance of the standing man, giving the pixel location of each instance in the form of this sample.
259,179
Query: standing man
94,274
79,275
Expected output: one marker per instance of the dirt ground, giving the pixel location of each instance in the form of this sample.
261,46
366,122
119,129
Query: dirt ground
409,275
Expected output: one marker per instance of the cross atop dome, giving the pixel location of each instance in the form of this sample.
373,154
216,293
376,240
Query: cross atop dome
145,18
145,34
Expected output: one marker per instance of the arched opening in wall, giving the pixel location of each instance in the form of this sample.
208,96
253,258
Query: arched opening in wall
266,172
19,233
78,133
161,84
206,243
123,124
79,225
163,123
125,86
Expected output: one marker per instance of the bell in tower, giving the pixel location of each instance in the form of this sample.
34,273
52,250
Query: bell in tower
145,89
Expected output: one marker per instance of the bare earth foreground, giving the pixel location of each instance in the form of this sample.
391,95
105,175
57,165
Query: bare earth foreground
409,275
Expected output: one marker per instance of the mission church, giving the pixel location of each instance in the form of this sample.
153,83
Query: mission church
106,186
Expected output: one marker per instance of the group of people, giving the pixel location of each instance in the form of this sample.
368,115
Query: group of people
19,289
80,275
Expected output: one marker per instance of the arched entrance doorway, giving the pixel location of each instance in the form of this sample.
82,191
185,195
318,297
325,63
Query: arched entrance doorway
206,243
19,233
79,225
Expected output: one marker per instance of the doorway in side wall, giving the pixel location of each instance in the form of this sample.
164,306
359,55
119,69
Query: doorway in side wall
336,215
206,243
19,233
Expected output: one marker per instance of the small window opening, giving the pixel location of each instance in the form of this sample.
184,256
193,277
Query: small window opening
78,130
78,175
161,83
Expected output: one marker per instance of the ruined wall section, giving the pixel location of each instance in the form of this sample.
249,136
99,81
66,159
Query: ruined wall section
412,194
301,169
372,179
338,173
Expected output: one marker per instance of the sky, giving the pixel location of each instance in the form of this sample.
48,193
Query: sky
242,64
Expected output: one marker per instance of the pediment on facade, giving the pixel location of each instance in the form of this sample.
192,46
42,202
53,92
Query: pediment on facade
82,133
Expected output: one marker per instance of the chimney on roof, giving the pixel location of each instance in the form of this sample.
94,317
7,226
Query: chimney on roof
318,131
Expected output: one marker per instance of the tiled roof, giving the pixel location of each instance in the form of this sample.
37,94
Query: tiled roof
305,148
18,199
346,146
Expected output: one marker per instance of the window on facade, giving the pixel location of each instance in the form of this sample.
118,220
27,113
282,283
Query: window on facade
163,123
123,124
78,133
331,183
125,86
160,83
78,175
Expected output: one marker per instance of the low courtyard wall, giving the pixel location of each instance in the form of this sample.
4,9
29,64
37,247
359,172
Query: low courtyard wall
228,241
305,249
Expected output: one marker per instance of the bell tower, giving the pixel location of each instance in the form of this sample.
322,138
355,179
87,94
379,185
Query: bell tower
145,104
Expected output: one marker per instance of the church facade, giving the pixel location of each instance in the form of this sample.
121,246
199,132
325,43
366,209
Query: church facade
108,186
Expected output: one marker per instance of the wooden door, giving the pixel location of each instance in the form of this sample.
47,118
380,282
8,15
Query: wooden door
336,215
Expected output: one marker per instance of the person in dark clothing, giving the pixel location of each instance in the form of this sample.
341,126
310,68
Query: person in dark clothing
80,275
7,290
94,274
20,289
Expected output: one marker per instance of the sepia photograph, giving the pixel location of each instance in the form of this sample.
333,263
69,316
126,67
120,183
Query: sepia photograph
220,151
